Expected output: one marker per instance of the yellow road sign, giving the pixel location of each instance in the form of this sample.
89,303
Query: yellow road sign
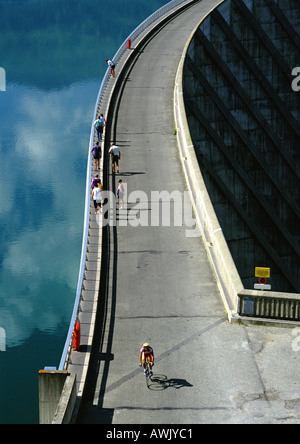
262,272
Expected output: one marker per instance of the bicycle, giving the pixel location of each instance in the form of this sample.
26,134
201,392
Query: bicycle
147,371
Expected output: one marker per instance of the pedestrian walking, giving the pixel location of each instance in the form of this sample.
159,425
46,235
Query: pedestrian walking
97,155
102,125
94,181
97,196
112,67
115,156
99,126
120,193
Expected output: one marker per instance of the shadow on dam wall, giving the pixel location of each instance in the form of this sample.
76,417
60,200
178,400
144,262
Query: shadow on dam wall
243,116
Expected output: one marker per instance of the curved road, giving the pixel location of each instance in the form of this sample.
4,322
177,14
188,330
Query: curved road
159,286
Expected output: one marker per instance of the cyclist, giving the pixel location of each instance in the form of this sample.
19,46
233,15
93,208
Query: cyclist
147,351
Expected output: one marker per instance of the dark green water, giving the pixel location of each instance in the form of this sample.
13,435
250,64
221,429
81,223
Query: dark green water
53,53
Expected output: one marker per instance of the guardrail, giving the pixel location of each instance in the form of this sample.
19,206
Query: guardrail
117,57
270,305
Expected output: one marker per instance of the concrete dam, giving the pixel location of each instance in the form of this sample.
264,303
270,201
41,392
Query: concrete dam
226,74
243,115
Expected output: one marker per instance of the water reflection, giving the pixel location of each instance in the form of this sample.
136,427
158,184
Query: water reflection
43,155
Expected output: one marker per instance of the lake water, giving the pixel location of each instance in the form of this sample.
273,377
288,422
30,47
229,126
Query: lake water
53,53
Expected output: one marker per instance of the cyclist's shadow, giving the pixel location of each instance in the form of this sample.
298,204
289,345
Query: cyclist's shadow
161,382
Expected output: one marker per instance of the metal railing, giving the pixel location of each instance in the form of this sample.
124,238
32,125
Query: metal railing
134,36
121,51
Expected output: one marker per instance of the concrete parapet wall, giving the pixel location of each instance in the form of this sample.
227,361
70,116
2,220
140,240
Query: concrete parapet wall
66,402
227,277
278,308
57,396
273,308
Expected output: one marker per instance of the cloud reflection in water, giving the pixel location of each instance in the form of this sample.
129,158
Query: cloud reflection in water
43,154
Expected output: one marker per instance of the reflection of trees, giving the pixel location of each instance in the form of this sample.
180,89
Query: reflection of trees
70,35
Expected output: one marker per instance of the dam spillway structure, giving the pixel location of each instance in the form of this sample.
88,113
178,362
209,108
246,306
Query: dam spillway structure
243,116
